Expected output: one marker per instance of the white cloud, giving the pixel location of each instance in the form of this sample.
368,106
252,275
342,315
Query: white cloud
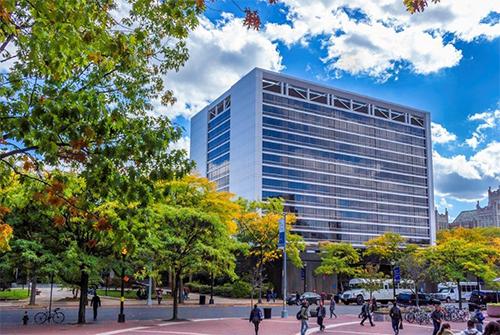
467,178
440,134
381,37
219,54
183,143
487,120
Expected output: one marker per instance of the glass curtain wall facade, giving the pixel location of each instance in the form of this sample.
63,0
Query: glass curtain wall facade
218,156
349,167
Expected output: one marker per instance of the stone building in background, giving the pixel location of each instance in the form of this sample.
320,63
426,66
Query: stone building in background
442,220
488,216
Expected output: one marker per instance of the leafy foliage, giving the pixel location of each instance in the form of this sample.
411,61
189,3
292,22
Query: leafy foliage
389,247
338,258
372,278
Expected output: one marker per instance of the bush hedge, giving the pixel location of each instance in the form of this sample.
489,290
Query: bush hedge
237,289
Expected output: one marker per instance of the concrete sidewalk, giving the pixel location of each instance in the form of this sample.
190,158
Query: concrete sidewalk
64,298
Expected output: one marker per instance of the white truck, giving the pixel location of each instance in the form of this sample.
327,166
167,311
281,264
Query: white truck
385,293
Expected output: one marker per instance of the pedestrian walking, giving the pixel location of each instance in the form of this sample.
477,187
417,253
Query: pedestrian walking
304,317
255,318
332,307
374,306
320,315
396,318
268,295
478,319
445,329
366,313
437,318
471,330
297,298
25,318
159,295
273,295
95,303
323,297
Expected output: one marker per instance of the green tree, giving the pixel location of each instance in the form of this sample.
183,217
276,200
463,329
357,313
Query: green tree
338,258
372,279
191,220
415,267
258,227
463,252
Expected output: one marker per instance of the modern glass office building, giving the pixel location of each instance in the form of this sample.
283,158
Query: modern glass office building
350,167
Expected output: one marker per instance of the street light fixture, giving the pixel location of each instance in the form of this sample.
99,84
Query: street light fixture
121,316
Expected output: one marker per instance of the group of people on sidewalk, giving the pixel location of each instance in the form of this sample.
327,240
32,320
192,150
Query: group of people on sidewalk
474,325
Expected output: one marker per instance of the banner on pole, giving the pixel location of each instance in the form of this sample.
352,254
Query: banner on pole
281,234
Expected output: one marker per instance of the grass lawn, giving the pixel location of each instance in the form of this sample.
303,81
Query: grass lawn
13,294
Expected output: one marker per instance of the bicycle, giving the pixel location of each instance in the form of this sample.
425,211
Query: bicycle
56,316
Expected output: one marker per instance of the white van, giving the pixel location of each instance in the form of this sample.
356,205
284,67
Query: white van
449,292
358,295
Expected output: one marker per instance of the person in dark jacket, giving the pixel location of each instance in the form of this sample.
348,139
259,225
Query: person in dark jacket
255,318
332,308
366,313
320,315
95,303
437,318
396,318
478,319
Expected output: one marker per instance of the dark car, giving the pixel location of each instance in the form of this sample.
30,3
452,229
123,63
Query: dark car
311,297
410,299
292,300
479,299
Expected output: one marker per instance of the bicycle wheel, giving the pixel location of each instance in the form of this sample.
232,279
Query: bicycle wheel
410,317
40,317
58,317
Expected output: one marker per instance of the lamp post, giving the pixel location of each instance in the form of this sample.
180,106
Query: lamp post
282,244
305,277
121,316
393,281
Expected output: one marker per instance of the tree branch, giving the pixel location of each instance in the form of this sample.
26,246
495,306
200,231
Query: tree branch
17,151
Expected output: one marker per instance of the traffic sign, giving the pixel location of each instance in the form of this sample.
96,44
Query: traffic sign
397,274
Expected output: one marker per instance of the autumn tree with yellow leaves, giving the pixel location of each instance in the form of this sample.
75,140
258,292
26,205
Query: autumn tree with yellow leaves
258,225
192,228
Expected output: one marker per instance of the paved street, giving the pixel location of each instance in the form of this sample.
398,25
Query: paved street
344,325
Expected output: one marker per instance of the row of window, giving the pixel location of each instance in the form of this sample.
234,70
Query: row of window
353,239
219,119
342,158
344,215
222,182
219,151
341,226
341,147
350,132
219,172
311,200
219,130
341,169
218,162
218,140
341,180
293,186
344,115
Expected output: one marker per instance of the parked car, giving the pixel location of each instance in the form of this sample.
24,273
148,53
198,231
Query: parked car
410,299
311,297
479,299
291,299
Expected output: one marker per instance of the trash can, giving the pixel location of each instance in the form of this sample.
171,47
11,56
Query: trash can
203,298
267,313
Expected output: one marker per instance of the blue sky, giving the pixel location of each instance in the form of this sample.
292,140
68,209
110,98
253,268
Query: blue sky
445,60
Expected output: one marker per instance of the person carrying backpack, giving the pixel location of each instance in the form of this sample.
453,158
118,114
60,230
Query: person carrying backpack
366,313
303,316
396,318
255,318
320,315
477,319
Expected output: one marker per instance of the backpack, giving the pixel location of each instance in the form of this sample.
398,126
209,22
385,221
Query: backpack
299,315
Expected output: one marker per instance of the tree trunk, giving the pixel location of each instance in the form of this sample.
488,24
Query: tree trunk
260,284
84,284
33,290
181,291
175,294
459,294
